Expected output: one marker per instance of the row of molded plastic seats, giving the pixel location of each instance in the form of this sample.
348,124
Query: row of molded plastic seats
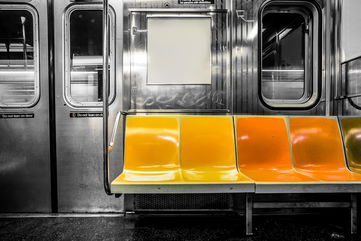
175,150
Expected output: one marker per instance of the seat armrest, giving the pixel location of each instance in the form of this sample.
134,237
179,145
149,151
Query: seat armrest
114,132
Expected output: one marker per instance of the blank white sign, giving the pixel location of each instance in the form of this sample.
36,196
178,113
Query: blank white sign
179,50
350,29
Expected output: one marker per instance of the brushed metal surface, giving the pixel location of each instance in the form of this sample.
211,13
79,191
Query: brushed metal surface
24,143
79,140
352,86
246,63
244,46
159,97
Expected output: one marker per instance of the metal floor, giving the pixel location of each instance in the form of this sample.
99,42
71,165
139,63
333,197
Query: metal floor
175,227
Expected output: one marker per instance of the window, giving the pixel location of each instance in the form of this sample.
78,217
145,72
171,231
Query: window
84,57
19,78
289,55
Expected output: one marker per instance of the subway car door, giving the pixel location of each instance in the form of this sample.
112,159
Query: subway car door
24,107
78,77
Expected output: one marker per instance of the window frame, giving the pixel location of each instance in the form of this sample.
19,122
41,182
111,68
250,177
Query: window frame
313,51
67,60
36,53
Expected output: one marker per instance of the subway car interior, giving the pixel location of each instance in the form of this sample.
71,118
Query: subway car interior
176,118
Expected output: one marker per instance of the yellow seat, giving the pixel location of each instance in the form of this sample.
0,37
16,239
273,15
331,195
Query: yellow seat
264,151
318,149
208,150
151,153
351,128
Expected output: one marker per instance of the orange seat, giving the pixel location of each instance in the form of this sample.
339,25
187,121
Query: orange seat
351,128
151,152
264,151
318,149
208,150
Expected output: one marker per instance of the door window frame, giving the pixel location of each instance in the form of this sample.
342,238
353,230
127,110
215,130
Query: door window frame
67,58
34,14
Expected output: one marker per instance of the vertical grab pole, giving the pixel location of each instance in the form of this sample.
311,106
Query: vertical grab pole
105,96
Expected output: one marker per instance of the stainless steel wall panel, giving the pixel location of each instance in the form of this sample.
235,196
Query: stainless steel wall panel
352,88
244,60
246,33
24,143
180,97
245,57
348,86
